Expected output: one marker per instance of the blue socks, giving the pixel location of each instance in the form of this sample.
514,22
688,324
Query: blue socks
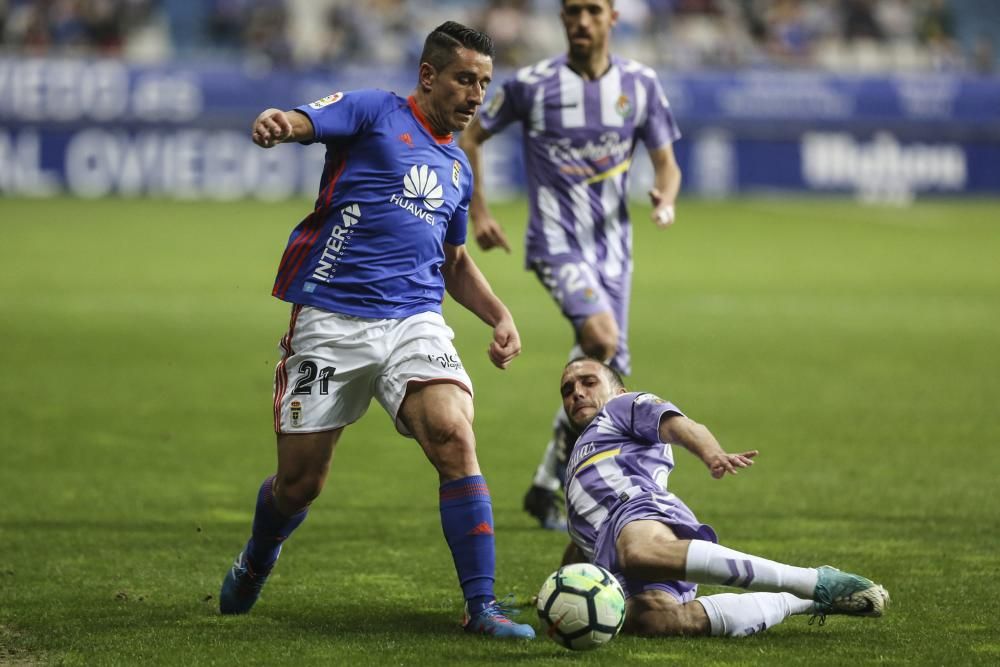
467,520
466,517
270,529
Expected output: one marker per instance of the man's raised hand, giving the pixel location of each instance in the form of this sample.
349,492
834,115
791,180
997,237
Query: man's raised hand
271,128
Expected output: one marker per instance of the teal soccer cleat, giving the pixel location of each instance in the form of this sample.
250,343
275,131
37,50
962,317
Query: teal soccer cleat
844,593
493,621
240,588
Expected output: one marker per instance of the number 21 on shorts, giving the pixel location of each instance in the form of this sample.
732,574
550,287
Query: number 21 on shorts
309,375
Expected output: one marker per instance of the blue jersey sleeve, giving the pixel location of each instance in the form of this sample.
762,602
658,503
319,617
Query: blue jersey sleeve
458,225
347,114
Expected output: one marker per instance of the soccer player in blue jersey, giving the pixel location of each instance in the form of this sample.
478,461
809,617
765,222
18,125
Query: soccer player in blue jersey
366,273
581,114
623,517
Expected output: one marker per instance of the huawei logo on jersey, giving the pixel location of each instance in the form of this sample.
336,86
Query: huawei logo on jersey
422,183
422,193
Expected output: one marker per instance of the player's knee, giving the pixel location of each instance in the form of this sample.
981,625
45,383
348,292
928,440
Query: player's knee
599,338
657,613
633,557
294,494
452,430
652,556
600,349
451,446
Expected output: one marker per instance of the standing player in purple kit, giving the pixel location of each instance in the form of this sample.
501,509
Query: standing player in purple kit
582,114
623,518
365,273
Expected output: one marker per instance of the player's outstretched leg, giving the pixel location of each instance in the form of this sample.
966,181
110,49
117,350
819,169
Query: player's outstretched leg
832,591
845,593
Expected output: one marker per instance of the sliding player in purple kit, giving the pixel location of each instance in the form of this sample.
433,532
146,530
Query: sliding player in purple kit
366,273
623,518
582,114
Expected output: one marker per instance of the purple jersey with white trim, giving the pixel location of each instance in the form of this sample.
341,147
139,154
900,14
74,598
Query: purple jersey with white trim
617,456
579,136
391,195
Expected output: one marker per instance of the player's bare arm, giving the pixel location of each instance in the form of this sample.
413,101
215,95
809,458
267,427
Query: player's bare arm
274,126
469,287
488,232
666,185
697,439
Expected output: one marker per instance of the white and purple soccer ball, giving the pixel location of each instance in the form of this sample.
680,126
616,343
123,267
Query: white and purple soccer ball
582,606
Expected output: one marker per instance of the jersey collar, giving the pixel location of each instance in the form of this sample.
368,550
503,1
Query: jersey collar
440,138
611,66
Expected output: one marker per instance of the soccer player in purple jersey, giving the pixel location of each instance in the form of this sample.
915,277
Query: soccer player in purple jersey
366,273
623,517
581,114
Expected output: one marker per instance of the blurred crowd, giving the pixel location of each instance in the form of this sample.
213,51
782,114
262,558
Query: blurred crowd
684,35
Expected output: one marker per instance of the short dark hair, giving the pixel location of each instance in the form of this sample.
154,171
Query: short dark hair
444,40
614,377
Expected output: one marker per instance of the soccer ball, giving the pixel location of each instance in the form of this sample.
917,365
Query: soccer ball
582,606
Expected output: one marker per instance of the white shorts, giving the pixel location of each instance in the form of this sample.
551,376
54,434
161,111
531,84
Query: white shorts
332,365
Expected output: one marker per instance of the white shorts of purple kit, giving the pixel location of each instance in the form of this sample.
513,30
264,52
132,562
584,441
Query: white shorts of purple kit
666,508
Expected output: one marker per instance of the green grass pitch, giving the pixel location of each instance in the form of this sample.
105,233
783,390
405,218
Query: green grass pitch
857,348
